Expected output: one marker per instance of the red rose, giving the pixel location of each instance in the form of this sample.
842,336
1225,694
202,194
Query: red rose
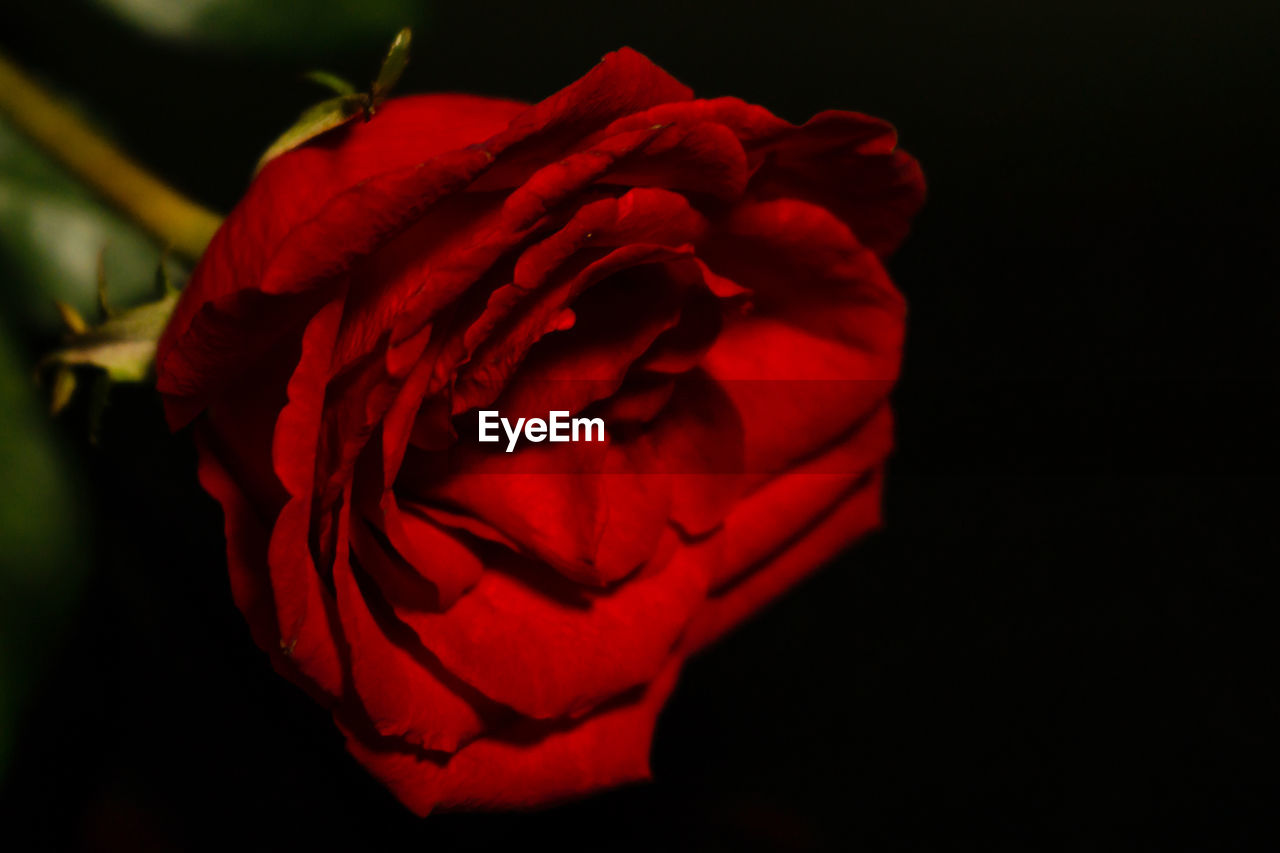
489,629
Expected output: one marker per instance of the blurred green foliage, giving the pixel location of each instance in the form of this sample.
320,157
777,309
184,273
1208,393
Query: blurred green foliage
275,26
52,232
44,537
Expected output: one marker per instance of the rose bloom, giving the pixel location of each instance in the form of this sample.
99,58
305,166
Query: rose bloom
499,630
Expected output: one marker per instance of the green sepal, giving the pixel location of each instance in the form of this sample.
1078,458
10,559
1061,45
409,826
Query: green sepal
62,389
123,345
330,81
346,105
393,66
121,348
322,117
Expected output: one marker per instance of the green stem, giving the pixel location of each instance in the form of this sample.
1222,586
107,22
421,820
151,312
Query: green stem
177,222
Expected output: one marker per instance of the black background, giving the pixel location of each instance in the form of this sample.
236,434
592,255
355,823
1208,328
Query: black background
1057,640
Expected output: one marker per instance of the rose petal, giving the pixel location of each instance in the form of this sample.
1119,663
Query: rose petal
618,223
794,392
856,514
247,539
656,217
698,440
762,523
616,324
804,265
527,318
354,222
537,764
848,163
403,690
750,123
394,575
594,511
304,608
682,347
314,210
821,349
450,567
548,648
294,188
624,82
701,158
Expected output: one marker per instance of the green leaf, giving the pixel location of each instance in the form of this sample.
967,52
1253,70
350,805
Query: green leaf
315,28
314,121
54,234
43,538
